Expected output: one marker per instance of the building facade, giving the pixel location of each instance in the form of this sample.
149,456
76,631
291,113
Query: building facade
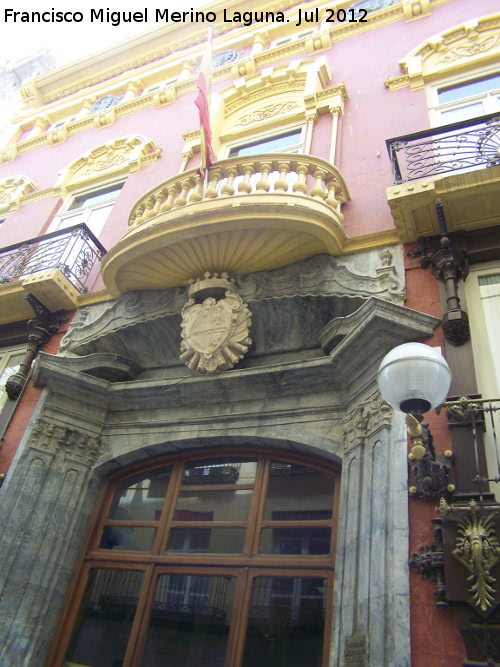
199,467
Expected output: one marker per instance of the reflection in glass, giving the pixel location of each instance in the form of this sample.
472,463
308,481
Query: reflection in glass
229,504
140,498
101,635
286,622
189,622
295,541
213,471
207,540
127,538
299,493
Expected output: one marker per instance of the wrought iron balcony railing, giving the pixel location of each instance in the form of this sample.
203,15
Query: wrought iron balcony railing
458,147
74,251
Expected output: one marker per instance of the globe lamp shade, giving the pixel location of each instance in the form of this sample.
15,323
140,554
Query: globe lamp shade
414,378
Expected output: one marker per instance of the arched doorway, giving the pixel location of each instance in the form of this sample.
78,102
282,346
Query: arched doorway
221,559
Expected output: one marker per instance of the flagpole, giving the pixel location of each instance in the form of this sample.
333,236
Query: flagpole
202,101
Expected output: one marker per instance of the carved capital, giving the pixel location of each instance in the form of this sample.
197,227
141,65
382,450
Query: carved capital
367,418
74,444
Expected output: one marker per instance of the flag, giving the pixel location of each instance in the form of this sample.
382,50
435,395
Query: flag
202,101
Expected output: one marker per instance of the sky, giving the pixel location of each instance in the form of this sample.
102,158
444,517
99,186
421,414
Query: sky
69,41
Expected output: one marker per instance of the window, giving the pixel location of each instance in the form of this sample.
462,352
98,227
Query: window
159,86
482,291
287,142
462,99
10,359
92,208
224,561
293,38
62,123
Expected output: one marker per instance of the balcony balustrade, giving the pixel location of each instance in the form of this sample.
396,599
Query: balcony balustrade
74,251
458,164
253,213
55,268
270,173
458,147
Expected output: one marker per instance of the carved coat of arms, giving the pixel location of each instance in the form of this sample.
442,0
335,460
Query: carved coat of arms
215,333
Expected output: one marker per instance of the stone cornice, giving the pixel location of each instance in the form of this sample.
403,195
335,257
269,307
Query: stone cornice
167,41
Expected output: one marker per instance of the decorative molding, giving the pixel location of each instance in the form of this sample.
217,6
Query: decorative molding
394,82
74,444
476,547
367,418
12,191
114,157
269,111
471,43
322,275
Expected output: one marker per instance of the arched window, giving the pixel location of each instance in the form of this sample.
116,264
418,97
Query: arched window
223,561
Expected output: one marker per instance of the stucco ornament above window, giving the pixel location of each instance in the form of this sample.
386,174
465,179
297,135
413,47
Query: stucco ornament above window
113,159
468,46
12,189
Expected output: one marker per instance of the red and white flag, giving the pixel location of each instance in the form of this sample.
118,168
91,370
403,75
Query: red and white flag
202,101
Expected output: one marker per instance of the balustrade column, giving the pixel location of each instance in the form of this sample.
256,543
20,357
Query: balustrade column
227,189
318,191
214,178
245,186
300,185
281,184
263,183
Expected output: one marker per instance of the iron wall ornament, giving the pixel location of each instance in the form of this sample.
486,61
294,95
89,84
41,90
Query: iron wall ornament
448,265
214,329
40,330
477,547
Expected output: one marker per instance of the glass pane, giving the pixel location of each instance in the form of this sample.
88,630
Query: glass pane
207,505
12,362
286,622
298,493
295,541
461,90
127,538
190,620
270,145
207,540
101,636
141,498
95,196
462,113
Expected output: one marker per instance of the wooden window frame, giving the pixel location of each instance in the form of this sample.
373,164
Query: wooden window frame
244,566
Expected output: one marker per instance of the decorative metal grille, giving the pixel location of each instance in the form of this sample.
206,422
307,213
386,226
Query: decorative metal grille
74,251
104,103
463,146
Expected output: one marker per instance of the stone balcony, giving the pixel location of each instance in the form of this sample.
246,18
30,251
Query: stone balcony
253,213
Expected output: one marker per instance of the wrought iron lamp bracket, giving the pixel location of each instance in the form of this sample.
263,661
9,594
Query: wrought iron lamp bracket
431,475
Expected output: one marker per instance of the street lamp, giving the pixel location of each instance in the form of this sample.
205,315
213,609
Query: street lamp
414,378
